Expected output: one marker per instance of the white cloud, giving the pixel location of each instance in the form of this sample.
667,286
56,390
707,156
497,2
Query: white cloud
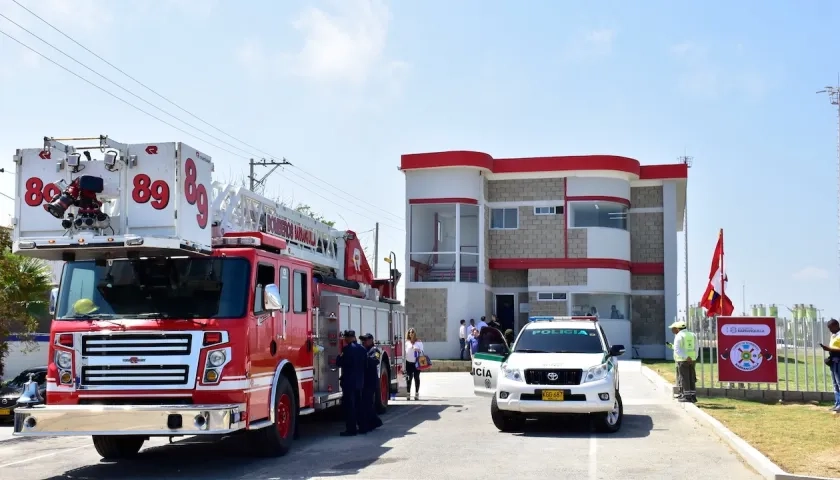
699,74
344,46
811,274
591,43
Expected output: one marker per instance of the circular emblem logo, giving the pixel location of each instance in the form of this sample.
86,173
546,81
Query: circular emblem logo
486,383
746,356
732,329
553,376
5,401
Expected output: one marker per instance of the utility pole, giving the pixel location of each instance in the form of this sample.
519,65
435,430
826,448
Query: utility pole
252,180
834,98
687,161
376,251
744,298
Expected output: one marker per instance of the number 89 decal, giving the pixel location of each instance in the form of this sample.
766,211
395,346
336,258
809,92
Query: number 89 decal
195,193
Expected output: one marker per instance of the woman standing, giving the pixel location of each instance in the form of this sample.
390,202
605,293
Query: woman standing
413,350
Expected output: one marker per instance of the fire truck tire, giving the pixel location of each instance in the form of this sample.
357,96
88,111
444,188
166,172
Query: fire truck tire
276,440
115,447
384,390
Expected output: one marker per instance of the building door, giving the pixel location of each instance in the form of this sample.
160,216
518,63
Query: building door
506,311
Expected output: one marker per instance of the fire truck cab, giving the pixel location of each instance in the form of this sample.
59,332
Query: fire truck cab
186,306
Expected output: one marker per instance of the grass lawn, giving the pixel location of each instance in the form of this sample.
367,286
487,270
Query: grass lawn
798,438
804,373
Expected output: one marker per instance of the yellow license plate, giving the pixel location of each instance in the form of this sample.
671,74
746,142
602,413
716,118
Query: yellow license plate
5,411
553,395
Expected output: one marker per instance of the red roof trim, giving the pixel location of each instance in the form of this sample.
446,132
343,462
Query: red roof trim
420,201
647,268
463,158
610,263
598,198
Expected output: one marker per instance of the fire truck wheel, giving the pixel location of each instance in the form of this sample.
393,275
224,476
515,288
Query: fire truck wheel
276,440
384,390
114,447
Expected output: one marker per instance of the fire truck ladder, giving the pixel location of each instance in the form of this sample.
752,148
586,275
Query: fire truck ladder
237,209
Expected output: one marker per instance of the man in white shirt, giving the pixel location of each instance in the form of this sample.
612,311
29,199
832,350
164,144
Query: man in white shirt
462,337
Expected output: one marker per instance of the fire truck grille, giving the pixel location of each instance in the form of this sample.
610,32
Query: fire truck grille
135,375
140,345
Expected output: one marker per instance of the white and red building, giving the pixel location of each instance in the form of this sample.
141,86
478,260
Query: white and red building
542,236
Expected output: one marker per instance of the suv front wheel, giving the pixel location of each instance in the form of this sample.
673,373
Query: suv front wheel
610,422
505,421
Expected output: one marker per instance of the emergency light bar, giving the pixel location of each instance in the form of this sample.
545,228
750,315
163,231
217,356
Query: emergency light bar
548,318
219,242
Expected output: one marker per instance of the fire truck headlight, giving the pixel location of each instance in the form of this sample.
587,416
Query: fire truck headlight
216,358
64,360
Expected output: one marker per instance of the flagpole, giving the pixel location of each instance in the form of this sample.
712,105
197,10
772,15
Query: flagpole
722,278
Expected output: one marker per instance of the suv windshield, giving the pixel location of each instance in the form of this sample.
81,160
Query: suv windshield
40,376
559,340
154,288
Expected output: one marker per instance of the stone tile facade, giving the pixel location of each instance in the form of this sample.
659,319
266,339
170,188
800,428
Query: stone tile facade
647,282
646,197
577,243
538,236
510,278
546,308
648,320
525,190
557,277
647,237
427,312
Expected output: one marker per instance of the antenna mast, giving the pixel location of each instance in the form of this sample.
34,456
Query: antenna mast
834,98
687,161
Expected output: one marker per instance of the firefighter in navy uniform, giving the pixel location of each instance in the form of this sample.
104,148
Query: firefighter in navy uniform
351,360
370,420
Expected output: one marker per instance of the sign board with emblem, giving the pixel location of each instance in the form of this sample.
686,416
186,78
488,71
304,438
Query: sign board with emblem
747,350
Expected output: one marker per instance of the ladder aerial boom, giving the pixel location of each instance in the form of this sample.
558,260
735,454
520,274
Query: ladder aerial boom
113,200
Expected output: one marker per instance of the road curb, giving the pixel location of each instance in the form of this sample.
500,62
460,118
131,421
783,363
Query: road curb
763,465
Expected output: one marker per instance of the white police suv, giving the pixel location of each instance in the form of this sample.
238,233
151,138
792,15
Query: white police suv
557,365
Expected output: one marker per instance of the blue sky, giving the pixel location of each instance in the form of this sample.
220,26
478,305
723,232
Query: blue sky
342,88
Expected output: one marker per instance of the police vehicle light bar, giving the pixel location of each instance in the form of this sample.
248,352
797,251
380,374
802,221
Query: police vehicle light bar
548,318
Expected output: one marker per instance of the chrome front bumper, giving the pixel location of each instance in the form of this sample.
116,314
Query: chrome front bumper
154,420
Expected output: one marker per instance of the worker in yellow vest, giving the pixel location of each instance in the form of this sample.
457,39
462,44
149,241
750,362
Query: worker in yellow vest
686,352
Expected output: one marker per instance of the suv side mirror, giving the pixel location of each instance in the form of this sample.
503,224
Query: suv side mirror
497,348
616,350
271,297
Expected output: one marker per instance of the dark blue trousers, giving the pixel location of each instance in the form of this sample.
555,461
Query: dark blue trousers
369,419
351,401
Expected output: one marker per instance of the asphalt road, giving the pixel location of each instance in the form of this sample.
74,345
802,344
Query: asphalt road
446,435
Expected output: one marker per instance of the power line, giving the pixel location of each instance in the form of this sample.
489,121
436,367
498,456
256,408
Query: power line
118,85
176,105
155,117
132,78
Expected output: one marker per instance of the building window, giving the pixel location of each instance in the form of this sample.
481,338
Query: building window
598,214
558,210
504,218
551,297
612,306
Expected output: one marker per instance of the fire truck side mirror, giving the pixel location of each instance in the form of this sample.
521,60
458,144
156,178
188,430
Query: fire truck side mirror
271,297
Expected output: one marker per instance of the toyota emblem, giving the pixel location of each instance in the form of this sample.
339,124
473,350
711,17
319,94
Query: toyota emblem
553,376
5,401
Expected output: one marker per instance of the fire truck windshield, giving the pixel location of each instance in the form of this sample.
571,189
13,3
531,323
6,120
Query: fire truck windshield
176,288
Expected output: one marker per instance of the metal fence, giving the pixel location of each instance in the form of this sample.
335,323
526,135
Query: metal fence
798,352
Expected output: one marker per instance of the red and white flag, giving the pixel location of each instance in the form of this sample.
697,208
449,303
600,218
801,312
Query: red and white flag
714,299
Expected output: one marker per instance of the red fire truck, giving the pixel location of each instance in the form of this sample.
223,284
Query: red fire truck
188,307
